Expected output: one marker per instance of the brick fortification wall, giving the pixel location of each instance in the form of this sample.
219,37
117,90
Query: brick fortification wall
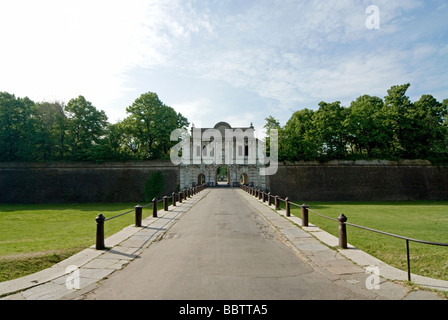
81,182
307,181
361,181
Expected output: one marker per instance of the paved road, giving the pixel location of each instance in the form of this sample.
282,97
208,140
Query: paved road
221,249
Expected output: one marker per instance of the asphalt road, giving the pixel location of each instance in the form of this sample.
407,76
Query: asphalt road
221,249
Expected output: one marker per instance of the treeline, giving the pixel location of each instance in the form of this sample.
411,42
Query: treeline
370,128
78,131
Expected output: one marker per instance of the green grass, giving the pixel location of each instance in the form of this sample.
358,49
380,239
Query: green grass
34,237
424,220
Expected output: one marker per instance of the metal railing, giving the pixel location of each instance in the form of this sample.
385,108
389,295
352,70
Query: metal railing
138,210
342,221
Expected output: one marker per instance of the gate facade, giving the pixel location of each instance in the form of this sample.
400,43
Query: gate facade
236,149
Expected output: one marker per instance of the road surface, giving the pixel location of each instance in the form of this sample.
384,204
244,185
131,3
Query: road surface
221,249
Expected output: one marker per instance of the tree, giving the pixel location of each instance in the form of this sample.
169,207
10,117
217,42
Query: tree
397,124
365,126
111,146
271,124
148,127
17,128
86,127
51,126
330,131
296,140
428,134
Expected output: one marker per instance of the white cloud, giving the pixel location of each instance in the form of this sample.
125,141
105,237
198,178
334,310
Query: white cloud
285,52
288,53
195,110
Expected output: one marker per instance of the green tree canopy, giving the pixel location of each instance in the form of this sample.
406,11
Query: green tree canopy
147,128
51,127
17,128
364,125
296,139
85,127
370,128
428,136
329,129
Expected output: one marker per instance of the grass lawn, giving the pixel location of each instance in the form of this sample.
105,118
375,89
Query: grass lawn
424,220
34,237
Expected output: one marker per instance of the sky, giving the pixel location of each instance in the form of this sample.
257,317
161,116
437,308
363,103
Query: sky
238,61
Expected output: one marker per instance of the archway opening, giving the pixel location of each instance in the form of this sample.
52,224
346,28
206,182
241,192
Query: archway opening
222,175
244,179
201,179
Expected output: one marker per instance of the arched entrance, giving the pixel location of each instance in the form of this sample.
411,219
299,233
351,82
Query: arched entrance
244,179
201,179
222,175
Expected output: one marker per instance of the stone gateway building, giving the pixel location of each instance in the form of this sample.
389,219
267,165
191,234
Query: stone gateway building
223,155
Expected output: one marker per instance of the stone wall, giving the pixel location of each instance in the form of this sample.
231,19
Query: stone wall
81,182
361,181
306,181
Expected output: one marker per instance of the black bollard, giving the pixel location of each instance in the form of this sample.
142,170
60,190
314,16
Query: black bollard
100,232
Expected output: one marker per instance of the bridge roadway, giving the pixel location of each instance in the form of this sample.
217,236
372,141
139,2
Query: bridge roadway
225,248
